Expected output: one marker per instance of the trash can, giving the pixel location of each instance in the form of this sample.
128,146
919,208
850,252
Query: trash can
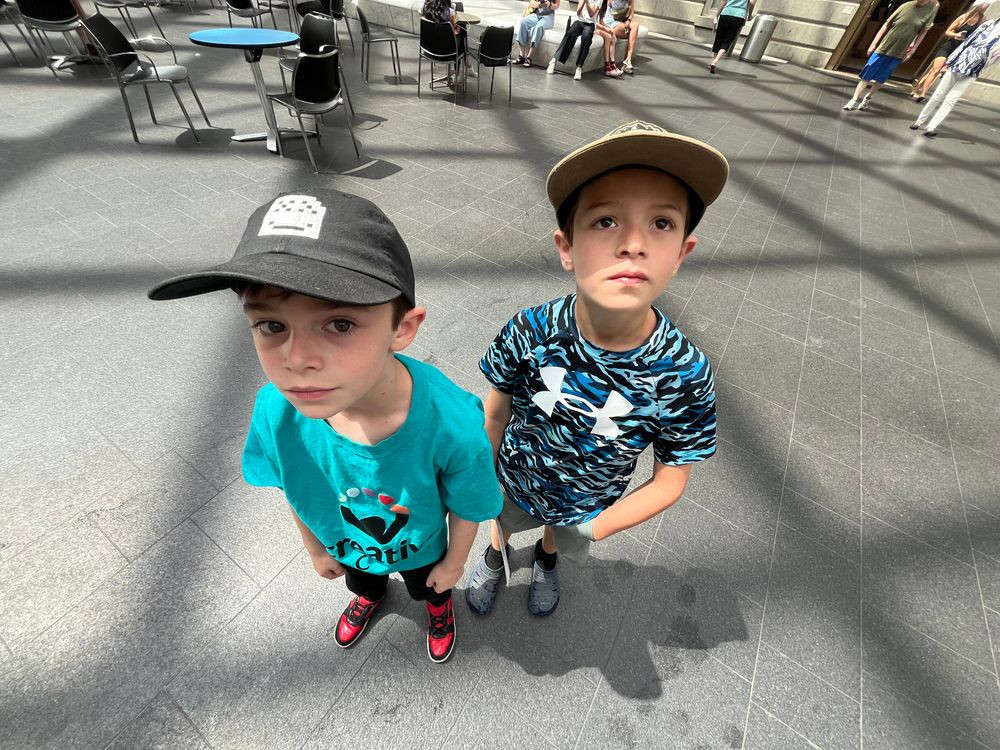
757,39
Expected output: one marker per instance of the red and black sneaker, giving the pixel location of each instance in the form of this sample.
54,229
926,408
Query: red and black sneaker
354,620
440,631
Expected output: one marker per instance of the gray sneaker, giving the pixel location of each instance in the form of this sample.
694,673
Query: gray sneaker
543,593
482,585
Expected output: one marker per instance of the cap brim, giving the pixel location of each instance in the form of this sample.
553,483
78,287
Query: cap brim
294,273
701,167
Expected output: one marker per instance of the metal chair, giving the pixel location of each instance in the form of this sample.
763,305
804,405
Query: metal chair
438,43
128,68
494,52
316,90
318,33
122,6
247,9
10,14
42,17
370,37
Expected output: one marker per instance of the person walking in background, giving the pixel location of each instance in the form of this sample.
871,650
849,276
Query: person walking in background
587,14
538,18
729,19
954,35
964,66
894,43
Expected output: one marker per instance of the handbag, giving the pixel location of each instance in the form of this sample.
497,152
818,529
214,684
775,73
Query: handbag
621,14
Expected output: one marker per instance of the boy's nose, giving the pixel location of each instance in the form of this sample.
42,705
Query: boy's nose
633,245
300,353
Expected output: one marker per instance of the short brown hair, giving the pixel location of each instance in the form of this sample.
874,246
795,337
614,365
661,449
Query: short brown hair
242,288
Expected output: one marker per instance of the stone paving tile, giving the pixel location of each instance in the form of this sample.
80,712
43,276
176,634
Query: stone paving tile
845,286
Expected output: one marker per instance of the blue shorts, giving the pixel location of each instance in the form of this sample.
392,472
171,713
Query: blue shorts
879,68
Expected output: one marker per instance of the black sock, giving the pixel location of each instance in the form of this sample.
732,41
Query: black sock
493,558
546,559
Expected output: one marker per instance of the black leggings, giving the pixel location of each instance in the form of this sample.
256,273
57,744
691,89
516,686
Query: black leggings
727,32
585,31
372,586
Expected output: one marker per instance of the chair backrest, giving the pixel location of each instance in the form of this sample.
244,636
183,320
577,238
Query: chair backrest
365,28
316,78
317,31
51,11
337,8
240,4
495,44
111,41
437,38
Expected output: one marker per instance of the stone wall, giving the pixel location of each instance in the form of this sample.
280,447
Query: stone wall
807,32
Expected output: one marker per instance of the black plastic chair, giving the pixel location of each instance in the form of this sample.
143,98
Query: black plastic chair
126,65
439,44
42,17
334,8
316,90
123,6
9,13
318,33
371,36
494,52
247,9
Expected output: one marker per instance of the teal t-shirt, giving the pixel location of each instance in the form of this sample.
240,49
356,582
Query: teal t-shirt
380,508
738,8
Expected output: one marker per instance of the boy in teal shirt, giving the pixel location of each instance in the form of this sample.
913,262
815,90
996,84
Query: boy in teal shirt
383,460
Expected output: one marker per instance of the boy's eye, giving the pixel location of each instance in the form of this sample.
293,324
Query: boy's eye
664,224
269,327
605,222
341,326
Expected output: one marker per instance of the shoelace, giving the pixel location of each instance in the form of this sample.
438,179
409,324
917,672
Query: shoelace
439,624
360,612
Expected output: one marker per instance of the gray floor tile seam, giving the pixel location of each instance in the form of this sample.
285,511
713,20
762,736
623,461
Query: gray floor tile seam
903,696
876,417
764,641
724,520
829,458
791,729
918,540
986,621
818,542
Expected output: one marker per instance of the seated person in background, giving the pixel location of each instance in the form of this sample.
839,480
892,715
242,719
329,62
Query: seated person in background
538,18
441,10
619,20
588,12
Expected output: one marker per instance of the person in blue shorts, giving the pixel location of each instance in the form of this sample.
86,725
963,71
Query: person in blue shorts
583,384
382,459
894,43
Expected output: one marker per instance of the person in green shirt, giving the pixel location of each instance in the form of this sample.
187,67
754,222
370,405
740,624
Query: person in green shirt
894,43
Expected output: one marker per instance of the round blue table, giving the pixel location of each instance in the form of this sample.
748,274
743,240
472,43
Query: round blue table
253,42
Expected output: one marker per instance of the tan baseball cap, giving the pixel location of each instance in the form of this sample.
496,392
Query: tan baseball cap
641,144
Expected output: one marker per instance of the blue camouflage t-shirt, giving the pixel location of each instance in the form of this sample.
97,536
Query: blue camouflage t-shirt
380,508
581,415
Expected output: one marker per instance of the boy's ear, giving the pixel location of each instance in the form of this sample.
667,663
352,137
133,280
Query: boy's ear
406,331
565,248
686,249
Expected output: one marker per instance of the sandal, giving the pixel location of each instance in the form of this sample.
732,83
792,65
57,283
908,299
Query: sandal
519,60
527,62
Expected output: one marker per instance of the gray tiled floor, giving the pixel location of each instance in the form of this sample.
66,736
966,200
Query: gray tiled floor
831,579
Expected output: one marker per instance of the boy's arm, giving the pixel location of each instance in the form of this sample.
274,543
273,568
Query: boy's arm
461,535
323,562
498,413
655,496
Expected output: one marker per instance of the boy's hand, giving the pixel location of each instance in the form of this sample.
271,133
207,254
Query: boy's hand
443,576
326,565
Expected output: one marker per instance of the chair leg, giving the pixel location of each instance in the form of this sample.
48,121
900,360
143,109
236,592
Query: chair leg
149,103
305,137
347,91
420,61
229,13
510,80
274,119
366,56
350,35
184,110
478,79
198,101
394,56
127,20
157,23
128,112
493,78
350,129
10,49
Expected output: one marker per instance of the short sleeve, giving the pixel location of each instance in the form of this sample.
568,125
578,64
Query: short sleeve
503,357
470,490
687,433
258,466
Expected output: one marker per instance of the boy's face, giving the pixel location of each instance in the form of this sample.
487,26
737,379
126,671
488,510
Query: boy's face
323,357
628,238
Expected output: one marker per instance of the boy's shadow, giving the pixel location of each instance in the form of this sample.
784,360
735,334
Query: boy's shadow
640,626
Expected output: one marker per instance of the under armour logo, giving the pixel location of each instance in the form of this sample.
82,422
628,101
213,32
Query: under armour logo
616,405
295,215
